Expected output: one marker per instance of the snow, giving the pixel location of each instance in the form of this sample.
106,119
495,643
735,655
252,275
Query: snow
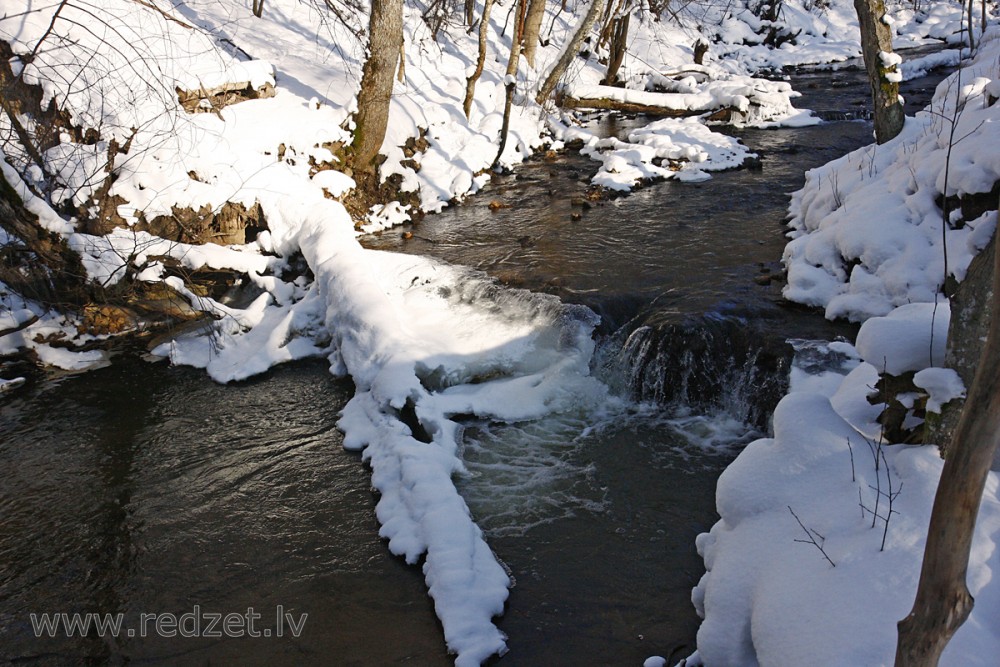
867,230
941,384
909,338
688,147
915,68
425,342
768,599
866,244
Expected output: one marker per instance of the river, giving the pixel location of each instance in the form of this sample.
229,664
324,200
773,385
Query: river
141,488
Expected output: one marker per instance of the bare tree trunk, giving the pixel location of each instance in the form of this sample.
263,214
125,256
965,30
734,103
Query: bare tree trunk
612,11
968,13
510,81
943,601
876,40
532,24
570,52
470,84
37,263
470,13
619,37
385,34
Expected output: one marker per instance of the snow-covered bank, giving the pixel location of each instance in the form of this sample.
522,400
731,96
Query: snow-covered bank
770,596
867,228
818,550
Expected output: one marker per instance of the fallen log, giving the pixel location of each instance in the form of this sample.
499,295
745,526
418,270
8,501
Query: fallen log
608,104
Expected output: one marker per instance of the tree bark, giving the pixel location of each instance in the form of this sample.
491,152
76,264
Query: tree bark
876,39
385,34
619,37
972,40
570,52
606,103
943,601
38,265
532,25
511,77
470,84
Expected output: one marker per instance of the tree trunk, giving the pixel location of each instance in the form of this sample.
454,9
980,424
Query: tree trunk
609,104
385,34
510,80
611,12
470,13
470,84
570,51
37,264
619,37
532,25
943,601
972,40
876,40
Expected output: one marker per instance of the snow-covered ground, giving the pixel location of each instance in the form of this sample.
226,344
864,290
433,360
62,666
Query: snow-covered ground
770,595
424,341
867,229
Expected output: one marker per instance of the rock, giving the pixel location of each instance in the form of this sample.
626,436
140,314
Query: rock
496,205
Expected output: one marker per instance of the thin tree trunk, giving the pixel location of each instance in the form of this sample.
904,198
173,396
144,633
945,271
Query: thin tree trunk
943,601
532,25
582,30
470,84
470,13
510,80
385,34
876,40
619,37
612,11
972,40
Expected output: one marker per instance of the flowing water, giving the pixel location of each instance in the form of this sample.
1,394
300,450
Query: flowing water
141,488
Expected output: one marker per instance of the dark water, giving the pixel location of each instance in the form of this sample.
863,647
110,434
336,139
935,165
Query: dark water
142,488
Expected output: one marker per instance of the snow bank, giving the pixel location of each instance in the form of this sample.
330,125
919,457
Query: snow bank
770,596
867,229
682,149
823,526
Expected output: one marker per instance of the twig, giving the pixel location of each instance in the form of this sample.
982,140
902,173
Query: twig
812,535
164,14
851,450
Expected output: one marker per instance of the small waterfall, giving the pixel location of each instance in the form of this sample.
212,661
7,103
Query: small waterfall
701,362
